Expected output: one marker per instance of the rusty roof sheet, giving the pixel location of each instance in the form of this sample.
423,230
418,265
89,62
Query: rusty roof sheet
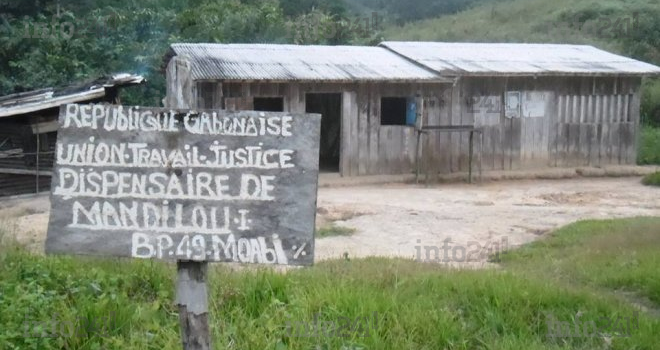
245,62
38,100
518,59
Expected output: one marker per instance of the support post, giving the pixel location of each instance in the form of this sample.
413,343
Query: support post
481,155
192,300
470,157
419,136
426,160
37,157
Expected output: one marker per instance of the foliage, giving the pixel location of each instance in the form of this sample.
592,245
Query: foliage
321,28
580,270
650,104
56,43
294,8
652,179
401,12
409,11
127,303
77,47
649,146
643,40
231,20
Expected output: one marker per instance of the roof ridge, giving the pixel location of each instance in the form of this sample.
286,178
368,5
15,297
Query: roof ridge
426,60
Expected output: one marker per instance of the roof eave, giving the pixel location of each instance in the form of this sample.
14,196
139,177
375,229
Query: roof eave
326,81
52,103
546,74
95,91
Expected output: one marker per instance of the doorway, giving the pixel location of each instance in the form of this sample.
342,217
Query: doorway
329,106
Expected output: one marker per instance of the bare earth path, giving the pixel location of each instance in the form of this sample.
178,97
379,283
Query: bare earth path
518,211
393,220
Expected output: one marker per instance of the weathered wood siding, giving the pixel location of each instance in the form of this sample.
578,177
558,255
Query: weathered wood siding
596,124
560,121
366,146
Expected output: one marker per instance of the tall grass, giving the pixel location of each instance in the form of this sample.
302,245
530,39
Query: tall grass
612,254
418,306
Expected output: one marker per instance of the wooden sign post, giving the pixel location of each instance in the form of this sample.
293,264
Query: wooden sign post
184,185
192,300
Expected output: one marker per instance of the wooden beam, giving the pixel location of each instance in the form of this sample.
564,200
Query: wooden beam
25,172
45,127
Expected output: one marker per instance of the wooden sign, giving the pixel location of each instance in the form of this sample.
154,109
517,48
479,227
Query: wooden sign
212,186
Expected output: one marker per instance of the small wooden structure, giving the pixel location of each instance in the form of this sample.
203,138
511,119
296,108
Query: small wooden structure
28,129
537,106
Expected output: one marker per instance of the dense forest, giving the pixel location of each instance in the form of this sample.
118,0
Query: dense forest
51,43
56,42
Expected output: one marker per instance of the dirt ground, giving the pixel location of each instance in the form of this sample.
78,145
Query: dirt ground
400,220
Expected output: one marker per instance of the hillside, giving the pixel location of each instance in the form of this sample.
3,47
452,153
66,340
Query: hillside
560,21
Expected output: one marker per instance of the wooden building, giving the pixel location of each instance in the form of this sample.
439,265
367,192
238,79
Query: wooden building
28,129
532,105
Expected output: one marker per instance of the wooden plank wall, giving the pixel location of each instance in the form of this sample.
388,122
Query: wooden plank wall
180,86
564,122
435,151
349,138
597,123
367,147
508,143
483,102
396,144
584,121
448,105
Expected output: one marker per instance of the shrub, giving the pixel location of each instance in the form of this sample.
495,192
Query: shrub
649,146
652,179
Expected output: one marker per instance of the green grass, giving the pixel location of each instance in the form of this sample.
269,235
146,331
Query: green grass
649,146
652,179
334,230
583,268
612,254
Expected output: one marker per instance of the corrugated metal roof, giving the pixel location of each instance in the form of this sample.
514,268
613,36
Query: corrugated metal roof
518,59
299,63
31,101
